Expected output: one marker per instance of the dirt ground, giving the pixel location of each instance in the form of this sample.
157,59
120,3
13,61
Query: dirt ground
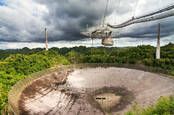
74,92
107,100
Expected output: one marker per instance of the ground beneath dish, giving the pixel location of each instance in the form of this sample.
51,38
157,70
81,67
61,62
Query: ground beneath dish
93,91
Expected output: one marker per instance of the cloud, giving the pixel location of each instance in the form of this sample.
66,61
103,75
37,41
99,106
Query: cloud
148,30
25,20
21,20
121,42
59,44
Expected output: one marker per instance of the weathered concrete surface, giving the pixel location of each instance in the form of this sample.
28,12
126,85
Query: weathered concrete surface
48,95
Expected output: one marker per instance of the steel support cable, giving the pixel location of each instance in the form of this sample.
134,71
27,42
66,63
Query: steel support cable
105,12
147,15
157,12
152,18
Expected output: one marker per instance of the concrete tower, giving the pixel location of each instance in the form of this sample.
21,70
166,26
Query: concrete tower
158,44
46,41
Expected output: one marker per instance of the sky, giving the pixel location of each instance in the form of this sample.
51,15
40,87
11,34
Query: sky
22,22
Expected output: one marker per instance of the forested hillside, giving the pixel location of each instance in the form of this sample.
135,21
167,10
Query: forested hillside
19,63
18,66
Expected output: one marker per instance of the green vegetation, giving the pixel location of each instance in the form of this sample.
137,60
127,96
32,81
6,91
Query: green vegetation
140,55
164,106
17,64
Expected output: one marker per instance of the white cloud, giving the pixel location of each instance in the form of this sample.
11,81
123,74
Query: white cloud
21,19
59,44
24,20
118,42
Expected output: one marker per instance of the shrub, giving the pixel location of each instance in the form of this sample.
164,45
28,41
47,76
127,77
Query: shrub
18,66
164,106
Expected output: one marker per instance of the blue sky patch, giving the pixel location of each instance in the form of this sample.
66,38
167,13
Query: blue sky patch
2,3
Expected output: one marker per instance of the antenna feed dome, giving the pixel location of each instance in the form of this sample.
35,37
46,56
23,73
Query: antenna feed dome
107,42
